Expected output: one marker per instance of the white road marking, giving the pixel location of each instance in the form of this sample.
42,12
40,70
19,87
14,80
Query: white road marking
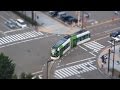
108,31
82,48
73,70
110,42
101,38
17,37
94,46
3,18
37,72
16,30
92,54
77,61
23,41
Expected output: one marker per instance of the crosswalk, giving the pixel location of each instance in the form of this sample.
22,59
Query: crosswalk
74,70
94,46
18,37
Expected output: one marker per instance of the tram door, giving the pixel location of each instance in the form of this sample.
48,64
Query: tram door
73,42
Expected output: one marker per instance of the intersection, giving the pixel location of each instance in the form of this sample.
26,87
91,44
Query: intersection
30,48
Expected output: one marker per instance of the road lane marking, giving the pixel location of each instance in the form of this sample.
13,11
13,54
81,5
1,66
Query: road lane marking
94,46
19,29
110,42
23,41
3,18
76,62
74,70
82,48
107,31
37,72
108,21
101,38
92,54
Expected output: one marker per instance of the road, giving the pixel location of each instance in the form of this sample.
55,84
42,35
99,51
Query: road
30,48
96,15
85,54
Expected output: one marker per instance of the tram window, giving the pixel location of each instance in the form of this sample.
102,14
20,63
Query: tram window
87,36
66,46
78,39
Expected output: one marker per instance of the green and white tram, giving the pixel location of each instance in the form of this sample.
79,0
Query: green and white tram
68,42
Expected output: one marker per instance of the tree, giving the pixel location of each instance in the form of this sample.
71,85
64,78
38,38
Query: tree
26,76
23,75
7,67
14,76
29,76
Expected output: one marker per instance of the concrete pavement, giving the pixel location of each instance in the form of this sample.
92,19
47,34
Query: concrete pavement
51,25
103,67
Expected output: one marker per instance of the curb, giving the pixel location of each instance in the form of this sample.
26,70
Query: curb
99,69
98,64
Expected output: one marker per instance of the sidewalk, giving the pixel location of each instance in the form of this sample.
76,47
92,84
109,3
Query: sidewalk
103,66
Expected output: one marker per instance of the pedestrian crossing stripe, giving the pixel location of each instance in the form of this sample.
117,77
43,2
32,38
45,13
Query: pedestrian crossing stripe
17,37
94,46
110,42
74,70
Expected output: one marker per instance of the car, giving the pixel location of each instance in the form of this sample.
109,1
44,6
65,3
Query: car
86,15
62,13
68,19
116,12
115,34
117,38
118,62
21,23
53,13
10,24
92,22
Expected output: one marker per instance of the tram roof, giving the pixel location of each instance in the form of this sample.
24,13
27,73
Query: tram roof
61,41
79,32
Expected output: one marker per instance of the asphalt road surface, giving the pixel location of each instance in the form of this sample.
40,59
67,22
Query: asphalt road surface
68,67
30,49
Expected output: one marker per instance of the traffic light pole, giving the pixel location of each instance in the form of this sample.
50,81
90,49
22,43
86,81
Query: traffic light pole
48,68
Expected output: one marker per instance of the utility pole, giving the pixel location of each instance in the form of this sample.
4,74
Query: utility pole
32,12
113,59
108,59
78,15
82,20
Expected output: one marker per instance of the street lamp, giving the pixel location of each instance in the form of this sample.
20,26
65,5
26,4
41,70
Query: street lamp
48,68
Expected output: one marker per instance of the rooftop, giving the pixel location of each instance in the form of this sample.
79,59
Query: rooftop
61,41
